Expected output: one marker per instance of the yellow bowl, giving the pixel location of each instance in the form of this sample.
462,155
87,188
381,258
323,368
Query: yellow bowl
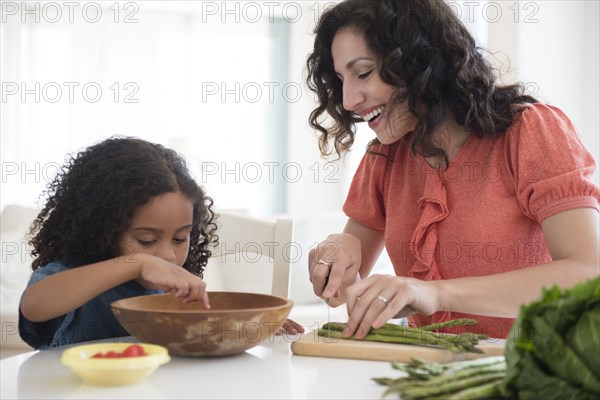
113,371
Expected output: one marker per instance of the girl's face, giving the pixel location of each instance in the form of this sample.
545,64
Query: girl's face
161,228
364,93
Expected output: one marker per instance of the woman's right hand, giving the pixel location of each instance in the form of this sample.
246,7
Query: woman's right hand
156,273
333,265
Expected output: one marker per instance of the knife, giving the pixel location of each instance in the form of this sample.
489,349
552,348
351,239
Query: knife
328,308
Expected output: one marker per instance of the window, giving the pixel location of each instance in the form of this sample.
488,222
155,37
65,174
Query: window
215,91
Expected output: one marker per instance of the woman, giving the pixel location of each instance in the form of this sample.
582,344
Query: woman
480,194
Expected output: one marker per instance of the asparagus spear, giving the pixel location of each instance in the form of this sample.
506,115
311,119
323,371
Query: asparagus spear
390,333
416,392
434,369
407,339
448,324
455,381
488,390
464,373
391,328
423,375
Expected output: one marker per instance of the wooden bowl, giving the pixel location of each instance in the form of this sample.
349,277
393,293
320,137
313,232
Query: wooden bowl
234,323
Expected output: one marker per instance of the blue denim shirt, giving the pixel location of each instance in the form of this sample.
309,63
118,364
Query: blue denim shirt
92,321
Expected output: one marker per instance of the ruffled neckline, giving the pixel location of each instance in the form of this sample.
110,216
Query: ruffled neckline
434,209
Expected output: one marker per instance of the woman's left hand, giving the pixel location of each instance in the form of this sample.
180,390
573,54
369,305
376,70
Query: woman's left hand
290,327
373,301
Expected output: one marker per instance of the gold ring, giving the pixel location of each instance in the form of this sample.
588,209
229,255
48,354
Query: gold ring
324,263
383,299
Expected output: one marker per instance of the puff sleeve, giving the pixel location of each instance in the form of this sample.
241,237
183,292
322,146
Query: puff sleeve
365,201
551,168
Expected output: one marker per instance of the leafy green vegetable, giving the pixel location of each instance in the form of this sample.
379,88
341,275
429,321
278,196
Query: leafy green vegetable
587,346
553,350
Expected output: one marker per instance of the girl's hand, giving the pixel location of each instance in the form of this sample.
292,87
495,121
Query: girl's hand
379,298
290,327
333,265
156,273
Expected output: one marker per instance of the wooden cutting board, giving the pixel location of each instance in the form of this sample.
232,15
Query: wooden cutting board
310,344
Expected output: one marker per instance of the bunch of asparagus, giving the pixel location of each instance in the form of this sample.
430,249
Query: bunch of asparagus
390,333
461,380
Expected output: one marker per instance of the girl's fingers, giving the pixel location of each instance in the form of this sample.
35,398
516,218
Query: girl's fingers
181,293
299,328
196,292
290,327
293,327
205,301
192,295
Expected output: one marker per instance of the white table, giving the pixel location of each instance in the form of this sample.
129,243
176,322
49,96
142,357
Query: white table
266,371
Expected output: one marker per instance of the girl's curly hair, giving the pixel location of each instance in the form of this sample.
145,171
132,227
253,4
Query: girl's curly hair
96,193
424,51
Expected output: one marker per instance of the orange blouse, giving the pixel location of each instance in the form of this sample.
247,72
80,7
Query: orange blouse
482,215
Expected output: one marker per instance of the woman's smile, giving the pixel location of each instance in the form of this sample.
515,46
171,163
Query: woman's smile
363,91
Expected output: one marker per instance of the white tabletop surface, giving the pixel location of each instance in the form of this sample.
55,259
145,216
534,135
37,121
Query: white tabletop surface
269,370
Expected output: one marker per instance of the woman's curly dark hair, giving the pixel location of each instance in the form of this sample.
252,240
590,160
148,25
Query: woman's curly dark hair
423,50
96,193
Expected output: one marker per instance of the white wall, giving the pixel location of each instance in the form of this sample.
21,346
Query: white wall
554,48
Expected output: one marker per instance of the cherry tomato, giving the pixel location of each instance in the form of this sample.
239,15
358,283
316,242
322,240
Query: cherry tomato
135,350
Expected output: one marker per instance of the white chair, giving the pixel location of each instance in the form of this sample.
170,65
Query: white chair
15,273
238,263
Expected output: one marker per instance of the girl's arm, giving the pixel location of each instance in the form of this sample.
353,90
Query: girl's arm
572,238
65,291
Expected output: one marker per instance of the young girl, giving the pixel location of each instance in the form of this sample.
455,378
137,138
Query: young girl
121,220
